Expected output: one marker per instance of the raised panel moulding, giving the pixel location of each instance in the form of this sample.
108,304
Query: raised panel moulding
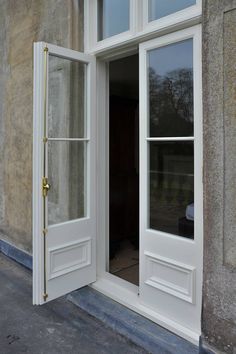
172,277
69,257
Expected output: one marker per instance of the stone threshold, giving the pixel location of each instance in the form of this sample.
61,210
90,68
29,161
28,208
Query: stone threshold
140,330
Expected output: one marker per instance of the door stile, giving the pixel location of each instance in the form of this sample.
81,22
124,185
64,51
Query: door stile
38,153
143,184
198,161
45,184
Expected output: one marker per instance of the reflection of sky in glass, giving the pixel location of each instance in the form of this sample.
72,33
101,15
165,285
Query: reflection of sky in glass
161,8
113,17
171,90
172,57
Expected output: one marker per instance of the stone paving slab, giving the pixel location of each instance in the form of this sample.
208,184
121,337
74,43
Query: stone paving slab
55,328
140,330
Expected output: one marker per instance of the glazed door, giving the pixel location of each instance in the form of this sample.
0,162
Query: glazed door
64,195
171,179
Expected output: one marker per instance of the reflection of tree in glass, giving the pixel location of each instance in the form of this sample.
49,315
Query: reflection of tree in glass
171,103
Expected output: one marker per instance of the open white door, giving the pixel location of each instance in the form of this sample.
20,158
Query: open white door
64,195
171,227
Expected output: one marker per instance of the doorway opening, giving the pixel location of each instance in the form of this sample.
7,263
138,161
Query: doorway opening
124,168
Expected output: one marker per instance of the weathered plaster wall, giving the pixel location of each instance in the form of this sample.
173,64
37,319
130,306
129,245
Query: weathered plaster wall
219,102
21,23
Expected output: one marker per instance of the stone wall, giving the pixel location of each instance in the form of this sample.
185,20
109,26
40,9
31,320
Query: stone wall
23,22
219,103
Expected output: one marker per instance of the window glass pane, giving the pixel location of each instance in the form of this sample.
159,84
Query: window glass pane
170,87
161,8
67,177
66,98
171,178
113,17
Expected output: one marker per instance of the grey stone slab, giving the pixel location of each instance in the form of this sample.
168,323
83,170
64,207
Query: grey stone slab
55,328
16,254
155,339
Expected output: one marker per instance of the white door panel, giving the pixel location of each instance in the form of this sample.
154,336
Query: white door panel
64,222
171,177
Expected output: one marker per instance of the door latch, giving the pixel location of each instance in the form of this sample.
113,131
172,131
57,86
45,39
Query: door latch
45,186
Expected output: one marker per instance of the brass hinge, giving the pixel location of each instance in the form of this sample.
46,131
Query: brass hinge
45,296
45,186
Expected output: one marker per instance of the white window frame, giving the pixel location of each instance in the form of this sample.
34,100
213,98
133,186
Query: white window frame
111,48
107,283
170,20
91,27
140,28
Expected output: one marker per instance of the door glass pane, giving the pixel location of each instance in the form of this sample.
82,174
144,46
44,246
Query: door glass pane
171,177
66,98
67,172
113,17
161,8
170,87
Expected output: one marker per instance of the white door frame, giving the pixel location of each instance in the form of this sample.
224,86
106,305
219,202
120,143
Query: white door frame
40,257
110,285
159,249
116,288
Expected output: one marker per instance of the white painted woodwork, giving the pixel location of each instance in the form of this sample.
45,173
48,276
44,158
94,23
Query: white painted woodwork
140,28
185,284
70,246
170,276
171,266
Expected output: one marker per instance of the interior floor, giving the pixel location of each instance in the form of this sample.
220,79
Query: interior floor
124,168
125,263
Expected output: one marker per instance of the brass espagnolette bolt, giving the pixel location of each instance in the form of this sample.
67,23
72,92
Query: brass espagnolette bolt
45,296
45,186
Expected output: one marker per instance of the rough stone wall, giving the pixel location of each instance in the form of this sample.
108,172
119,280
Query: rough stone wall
219,104
23,22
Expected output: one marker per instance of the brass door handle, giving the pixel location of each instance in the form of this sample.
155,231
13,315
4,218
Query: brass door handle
46,186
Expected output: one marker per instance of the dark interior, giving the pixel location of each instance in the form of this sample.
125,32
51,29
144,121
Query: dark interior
124,168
